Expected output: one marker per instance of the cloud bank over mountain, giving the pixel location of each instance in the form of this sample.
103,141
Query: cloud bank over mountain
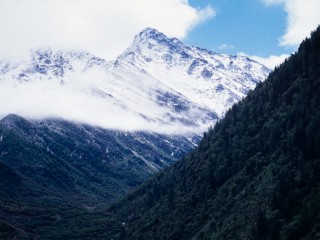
303,17
91,25
158,84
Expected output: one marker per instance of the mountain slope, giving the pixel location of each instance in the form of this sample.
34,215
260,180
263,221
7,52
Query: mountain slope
85,163
67,100
210,79
55,170
158,84
253,176
63,163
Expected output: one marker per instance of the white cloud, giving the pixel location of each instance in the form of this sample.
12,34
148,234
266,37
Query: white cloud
270,62
103,27
113,99
272,2
303,17
226,47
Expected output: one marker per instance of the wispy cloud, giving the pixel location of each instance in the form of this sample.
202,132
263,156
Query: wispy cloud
303,17
99,96
270,62
225,47
103,27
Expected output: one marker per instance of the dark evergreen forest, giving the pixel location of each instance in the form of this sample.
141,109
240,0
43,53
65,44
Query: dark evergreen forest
255,175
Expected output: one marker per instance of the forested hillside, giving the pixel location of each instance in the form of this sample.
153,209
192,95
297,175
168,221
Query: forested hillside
255,175
53,170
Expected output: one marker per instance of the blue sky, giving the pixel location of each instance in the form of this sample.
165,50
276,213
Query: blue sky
241,26
265,30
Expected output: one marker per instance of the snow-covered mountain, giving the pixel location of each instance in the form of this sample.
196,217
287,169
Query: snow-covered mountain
158,84
215,81
112,124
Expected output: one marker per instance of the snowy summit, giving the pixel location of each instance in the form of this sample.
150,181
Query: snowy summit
158,84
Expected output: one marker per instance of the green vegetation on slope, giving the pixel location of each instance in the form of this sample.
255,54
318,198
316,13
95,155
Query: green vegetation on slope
255,175
54,174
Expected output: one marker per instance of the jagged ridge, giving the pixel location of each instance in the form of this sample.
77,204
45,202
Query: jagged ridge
198,82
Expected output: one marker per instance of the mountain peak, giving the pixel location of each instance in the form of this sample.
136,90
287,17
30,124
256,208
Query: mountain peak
12,118
151,33
203,75
14,121
151,37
